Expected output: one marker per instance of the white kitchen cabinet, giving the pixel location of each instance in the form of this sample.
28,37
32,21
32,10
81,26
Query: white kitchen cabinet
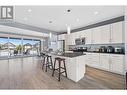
88,36
68,39
110,62
117,63
71,39
88,58
77,34
105,34
92,59
117,32
82,34
96,35
104,62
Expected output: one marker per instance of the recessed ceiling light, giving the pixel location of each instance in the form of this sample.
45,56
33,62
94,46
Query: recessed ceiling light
68,10
29,10
96,12
50,21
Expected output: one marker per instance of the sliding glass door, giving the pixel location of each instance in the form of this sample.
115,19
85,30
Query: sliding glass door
36,47
11,47
15,47
4,47
27,47
31,47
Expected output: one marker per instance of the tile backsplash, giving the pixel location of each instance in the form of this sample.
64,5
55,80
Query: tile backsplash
97,46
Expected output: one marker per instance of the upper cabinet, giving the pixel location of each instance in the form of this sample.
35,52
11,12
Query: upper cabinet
82,34
104,61
105,34
88,36
96,35
117,63
117,32
71,39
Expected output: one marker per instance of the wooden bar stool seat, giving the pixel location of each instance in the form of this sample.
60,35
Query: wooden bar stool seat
47,62
60,61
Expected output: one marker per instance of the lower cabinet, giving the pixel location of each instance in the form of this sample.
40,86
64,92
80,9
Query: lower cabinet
104,61
92,59
109,62
117,64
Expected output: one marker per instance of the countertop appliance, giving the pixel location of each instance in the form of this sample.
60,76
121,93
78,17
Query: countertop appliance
102,49
80,49
78,41
119,50
83,40
110,49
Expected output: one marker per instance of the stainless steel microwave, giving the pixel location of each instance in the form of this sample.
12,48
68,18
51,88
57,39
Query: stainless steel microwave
80,41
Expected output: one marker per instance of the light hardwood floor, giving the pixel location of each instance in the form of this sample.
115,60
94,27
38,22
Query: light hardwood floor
26,73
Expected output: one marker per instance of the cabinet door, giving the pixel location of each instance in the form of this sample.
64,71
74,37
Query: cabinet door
71,39
96,59
104,61
88,58
77,35
68,39
80,35
88,36
93,59
96,35
117,32
105,34
117,63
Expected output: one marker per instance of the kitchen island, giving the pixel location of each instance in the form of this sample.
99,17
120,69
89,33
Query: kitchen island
75,65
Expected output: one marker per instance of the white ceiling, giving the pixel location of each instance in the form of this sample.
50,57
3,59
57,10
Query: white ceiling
78,17
18,31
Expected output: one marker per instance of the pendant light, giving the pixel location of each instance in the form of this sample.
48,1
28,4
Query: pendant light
68,30
50,34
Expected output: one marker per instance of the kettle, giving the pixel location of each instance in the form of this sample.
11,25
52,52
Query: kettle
102,49
110,49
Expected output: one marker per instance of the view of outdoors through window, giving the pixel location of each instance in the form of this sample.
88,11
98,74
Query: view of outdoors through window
15,47
3,47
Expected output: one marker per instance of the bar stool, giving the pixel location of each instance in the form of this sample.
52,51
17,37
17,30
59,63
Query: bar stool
42,55
60,60
47,62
